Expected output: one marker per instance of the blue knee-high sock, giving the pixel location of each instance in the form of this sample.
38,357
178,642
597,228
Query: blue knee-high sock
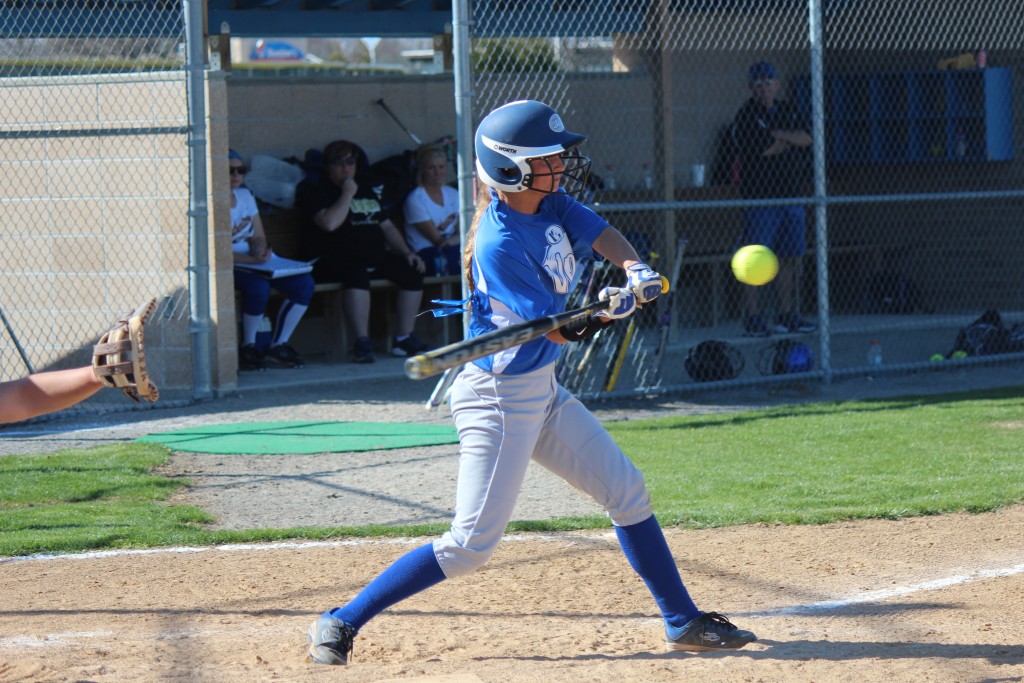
645,547
413,572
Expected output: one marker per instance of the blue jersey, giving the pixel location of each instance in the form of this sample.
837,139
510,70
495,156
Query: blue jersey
523,267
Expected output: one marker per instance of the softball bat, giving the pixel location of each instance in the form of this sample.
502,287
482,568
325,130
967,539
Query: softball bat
437,361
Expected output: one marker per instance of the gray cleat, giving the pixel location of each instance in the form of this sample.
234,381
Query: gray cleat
330,640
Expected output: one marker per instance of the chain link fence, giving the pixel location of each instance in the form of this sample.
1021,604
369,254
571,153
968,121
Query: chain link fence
900,214
94,183
871,145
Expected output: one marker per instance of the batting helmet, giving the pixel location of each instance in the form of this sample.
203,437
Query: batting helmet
513,134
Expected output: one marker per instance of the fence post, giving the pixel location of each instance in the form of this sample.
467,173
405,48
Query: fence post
198,214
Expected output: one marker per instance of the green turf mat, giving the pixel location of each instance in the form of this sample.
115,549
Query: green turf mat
302,437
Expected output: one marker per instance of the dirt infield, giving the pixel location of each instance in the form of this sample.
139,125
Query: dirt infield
927,599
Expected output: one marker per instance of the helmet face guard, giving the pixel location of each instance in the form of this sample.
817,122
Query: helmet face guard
572,179
513,135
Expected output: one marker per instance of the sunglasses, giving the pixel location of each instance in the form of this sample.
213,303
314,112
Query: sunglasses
343,161
239,170
764,80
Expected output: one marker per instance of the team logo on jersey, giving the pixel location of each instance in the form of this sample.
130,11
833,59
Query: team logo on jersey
559,259
364,211
365,206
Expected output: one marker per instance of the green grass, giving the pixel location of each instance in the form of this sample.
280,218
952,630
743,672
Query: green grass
824,462
121,472
790,465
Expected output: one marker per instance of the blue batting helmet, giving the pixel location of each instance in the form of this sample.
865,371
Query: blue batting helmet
513,134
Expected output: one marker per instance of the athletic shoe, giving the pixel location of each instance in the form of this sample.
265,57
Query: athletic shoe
285,355
250,358
791,322
755,327
363,350
410,346
330,640
709,631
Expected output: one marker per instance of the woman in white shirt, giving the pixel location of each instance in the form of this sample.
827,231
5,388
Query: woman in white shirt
249,245
432,214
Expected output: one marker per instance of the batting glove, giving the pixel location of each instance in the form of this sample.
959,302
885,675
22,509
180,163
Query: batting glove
622,303
644,282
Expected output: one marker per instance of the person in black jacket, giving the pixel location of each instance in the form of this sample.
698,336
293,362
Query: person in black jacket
770,136
355,241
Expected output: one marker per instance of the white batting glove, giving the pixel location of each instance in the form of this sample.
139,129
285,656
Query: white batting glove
644,282
623,303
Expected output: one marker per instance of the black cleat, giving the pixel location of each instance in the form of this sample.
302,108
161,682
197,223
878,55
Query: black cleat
285,355
709,631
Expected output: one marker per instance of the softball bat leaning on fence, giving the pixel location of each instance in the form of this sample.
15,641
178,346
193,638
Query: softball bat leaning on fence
437,361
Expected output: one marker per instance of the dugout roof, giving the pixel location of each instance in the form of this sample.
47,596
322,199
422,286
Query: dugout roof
332,18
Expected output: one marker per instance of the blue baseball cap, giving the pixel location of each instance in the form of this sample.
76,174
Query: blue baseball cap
232,154
761,71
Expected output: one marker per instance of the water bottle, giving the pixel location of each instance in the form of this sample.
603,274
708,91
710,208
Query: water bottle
440,263
875,353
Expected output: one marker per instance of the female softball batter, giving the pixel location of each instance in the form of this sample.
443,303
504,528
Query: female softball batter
521,254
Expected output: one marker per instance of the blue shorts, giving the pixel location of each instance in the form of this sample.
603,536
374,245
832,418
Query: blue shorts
781,228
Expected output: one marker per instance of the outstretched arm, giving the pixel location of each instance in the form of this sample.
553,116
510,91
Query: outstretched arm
46,392
645,283
613,246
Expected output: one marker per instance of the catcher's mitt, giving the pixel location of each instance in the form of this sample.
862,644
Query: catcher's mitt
119,359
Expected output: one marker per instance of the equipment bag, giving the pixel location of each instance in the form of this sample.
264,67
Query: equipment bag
714,360
987,336
785,357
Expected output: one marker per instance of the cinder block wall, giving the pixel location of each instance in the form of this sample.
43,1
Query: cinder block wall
93,223
285,117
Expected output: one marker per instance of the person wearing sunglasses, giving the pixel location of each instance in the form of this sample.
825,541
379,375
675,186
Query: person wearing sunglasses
249,245
771,137
354,240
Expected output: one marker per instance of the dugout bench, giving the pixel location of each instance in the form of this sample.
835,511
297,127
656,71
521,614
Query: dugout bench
323,331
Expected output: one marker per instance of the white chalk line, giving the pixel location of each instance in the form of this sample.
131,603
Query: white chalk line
284,545
51,639
888,593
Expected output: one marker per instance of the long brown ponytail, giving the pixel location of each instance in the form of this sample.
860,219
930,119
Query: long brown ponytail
483,200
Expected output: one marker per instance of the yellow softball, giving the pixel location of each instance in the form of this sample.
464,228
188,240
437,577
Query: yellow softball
755,264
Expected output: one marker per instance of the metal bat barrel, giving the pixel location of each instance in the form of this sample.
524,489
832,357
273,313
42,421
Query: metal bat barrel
437,361
415,138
